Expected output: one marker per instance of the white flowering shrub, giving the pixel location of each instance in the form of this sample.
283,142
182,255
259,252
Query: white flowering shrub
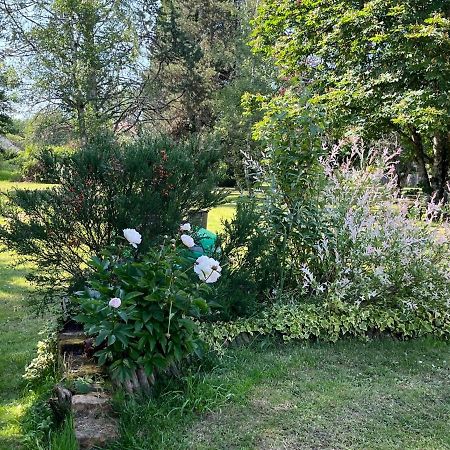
379,248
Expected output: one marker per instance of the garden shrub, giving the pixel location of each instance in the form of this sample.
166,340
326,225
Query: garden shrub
150,184
380,249
140,308
251,262
9,168
369,247
42,164
343,230
273,234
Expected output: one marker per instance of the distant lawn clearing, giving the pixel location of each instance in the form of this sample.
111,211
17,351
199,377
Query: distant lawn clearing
350,395
217,215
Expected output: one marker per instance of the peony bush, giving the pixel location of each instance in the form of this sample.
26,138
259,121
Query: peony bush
142,308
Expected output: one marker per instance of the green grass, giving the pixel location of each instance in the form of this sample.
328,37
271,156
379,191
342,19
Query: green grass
218,215
10,177
8,171
352,395
65,438
19,334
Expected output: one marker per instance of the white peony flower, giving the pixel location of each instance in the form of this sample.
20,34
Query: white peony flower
207,269
215,265
185,227
132,236
201,262
115,302
187,240
203,274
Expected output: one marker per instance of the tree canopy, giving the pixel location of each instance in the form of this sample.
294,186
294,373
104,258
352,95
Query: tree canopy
375,66
83,58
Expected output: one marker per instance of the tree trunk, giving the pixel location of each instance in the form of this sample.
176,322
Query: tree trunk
419,152
81,119
441,149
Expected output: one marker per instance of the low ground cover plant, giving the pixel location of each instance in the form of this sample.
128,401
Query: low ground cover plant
331,321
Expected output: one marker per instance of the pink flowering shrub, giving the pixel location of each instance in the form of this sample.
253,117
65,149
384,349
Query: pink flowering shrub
374,263
379,248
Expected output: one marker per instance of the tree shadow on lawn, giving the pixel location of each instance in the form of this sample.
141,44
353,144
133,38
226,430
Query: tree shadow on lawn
19,334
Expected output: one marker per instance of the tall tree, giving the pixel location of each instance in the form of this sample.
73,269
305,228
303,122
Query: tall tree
194,55
233,126
84,58
376,66
203,66
6,123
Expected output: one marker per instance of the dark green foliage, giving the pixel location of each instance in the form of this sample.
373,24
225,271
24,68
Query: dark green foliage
43,164
202,66
272,236
6,123
150,185
251,74
251,259
193,57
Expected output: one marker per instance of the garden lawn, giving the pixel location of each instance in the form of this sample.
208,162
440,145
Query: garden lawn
217,215
383,394
19,334
226,211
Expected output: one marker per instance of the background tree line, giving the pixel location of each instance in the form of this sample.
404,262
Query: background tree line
130,67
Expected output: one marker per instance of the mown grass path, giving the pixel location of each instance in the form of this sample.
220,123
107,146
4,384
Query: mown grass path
19,334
